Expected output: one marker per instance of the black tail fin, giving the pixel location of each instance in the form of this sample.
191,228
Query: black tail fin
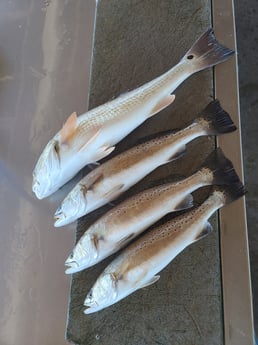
231,192
221,167
216,119
207,52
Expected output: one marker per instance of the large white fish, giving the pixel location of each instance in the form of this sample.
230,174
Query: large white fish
118,174
127,220
93,135
139,264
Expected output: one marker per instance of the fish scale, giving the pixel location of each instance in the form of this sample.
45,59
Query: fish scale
112,178
138,265
133,216
93,135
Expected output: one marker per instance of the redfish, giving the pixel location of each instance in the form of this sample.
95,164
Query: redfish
93,135
112,178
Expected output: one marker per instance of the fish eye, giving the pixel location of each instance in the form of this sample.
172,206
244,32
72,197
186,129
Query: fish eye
90,294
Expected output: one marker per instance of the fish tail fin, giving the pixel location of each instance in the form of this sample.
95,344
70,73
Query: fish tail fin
215,120
230,192
207,52
221,168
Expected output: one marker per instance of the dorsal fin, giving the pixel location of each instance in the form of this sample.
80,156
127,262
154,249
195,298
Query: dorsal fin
69,128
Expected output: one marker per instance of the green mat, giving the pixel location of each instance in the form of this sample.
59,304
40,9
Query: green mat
136,41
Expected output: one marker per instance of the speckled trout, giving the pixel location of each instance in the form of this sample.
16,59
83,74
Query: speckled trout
139,264
118,174
93,135
128,219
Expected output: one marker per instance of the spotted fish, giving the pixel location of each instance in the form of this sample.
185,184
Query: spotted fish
93,135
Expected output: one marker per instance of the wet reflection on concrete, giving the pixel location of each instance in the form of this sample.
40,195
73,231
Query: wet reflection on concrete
45,51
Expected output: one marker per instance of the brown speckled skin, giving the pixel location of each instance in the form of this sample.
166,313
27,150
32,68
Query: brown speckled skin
136,41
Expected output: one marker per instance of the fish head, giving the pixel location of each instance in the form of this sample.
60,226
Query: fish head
73,207
84,255
102,294
47,170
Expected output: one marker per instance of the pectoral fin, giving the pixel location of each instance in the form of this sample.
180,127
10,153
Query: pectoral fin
99,177
84,188
69,128
162,104
150,282
113,192
90,136
206,230
125,240
187,202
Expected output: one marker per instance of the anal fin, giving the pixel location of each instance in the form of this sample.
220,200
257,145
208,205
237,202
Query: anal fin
125,240
187,202
162,104
206,230
150,282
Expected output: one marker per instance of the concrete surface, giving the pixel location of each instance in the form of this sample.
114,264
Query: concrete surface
247,39
135,42
44,47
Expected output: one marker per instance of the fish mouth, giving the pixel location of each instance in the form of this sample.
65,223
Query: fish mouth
36,189
92,306
72,265
60,218
91,310
89,302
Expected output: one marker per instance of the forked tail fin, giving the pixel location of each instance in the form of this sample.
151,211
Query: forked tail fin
230,192
215,120
207,52
221,168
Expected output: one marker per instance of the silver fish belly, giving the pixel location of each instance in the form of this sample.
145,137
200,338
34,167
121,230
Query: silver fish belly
138,266
93,135
130,218
112,178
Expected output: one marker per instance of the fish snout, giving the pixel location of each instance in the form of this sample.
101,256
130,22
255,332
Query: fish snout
60,217
89,300
36,188
72,264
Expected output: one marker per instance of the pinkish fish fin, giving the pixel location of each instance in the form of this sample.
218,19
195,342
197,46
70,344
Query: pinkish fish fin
103,151
125,240
162,104
206,230
180,153
91,135
150,282
69,128
114,192
187,202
